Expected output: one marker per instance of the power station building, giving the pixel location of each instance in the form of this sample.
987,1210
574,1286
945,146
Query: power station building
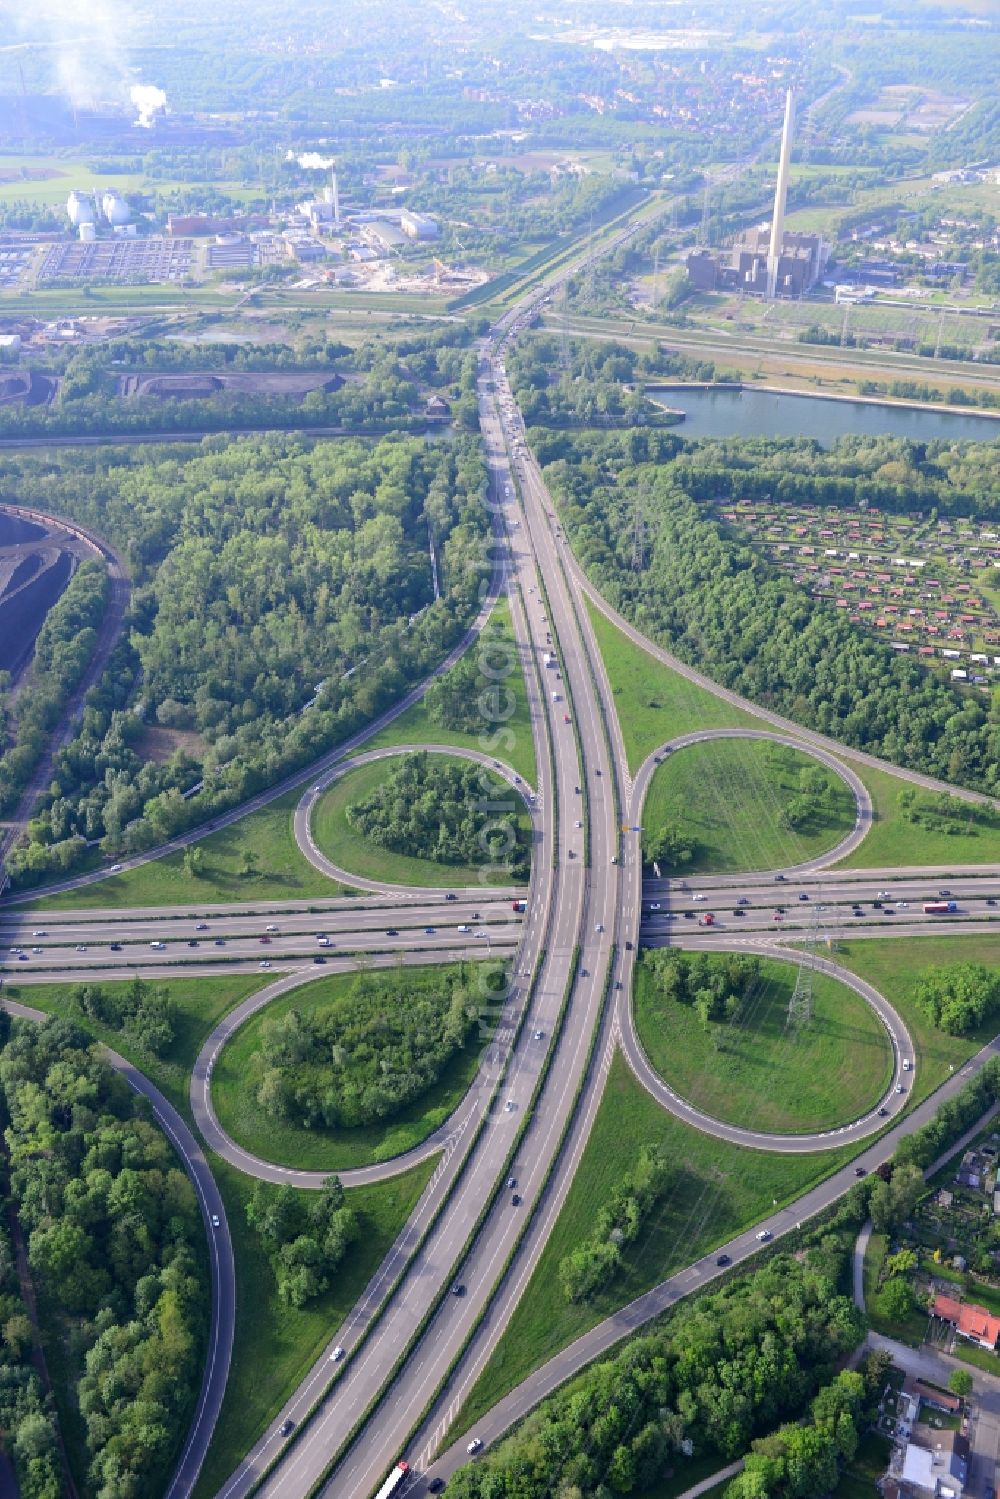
768,260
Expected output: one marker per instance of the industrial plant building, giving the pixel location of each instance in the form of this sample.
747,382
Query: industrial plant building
768,260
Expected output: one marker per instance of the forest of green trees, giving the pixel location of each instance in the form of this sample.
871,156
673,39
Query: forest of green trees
116,1253
63,650
305,1235
727,1367
960,998
26,1415
445,812
283,596
370,1052
728,611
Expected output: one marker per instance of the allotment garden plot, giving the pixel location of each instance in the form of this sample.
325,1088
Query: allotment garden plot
927,586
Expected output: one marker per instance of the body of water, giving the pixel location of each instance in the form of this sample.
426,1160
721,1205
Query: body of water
764,413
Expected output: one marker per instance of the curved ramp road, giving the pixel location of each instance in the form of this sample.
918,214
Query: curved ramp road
696,1277
864,810
445,1137
829,1139
220,1256
302,821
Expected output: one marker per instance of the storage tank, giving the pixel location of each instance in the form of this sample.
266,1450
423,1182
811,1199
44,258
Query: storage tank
88,231
80,208
116,210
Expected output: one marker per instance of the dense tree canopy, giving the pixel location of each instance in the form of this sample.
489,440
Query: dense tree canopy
115,1247
434,809
727,610
284,594
959,998
729,1365
369,1052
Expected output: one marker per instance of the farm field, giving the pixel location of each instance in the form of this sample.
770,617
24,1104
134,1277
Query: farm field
745,804
760,1073
287,1142
928,586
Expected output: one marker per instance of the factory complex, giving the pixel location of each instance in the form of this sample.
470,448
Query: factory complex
112,244
765,261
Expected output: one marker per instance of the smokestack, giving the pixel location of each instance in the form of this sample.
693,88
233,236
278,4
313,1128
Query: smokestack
336,198
780,194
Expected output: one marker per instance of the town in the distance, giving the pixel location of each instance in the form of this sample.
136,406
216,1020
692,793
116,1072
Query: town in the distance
500,750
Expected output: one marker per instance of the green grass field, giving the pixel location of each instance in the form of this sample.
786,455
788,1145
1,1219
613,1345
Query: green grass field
518,751
291,1144
275,1344
731,798
894,965
201,1003
352,851
892,841
717,1189
760,1074
279,870
654,702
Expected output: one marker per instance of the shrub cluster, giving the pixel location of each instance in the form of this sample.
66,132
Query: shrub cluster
305,1235
585,1270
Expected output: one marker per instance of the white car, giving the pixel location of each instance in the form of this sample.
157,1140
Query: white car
337,1355
484,935
317,788
80,947
215,1220
697,897
539,1035
465,929
902,905
508,1107
116,869
264,963
39,933
764,1235
599,927
654,905
474,1445
578,823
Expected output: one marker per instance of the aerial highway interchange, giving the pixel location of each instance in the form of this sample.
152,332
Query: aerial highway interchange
413,1349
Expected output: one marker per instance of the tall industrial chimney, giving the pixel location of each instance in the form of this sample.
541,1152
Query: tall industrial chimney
780,194
336,198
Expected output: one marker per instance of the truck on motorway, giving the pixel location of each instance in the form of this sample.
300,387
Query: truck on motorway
939,907
394,1482
549,659
519,905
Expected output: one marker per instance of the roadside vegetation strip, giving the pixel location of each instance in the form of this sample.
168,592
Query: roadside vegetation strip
721,1190
654,702
467,1247
391,1290
929,829
895,967
755,1068
415,727
789,808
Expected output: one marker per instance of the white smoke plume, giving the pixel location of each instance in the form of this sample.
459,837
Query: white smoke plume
311,161
147,99
88,45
